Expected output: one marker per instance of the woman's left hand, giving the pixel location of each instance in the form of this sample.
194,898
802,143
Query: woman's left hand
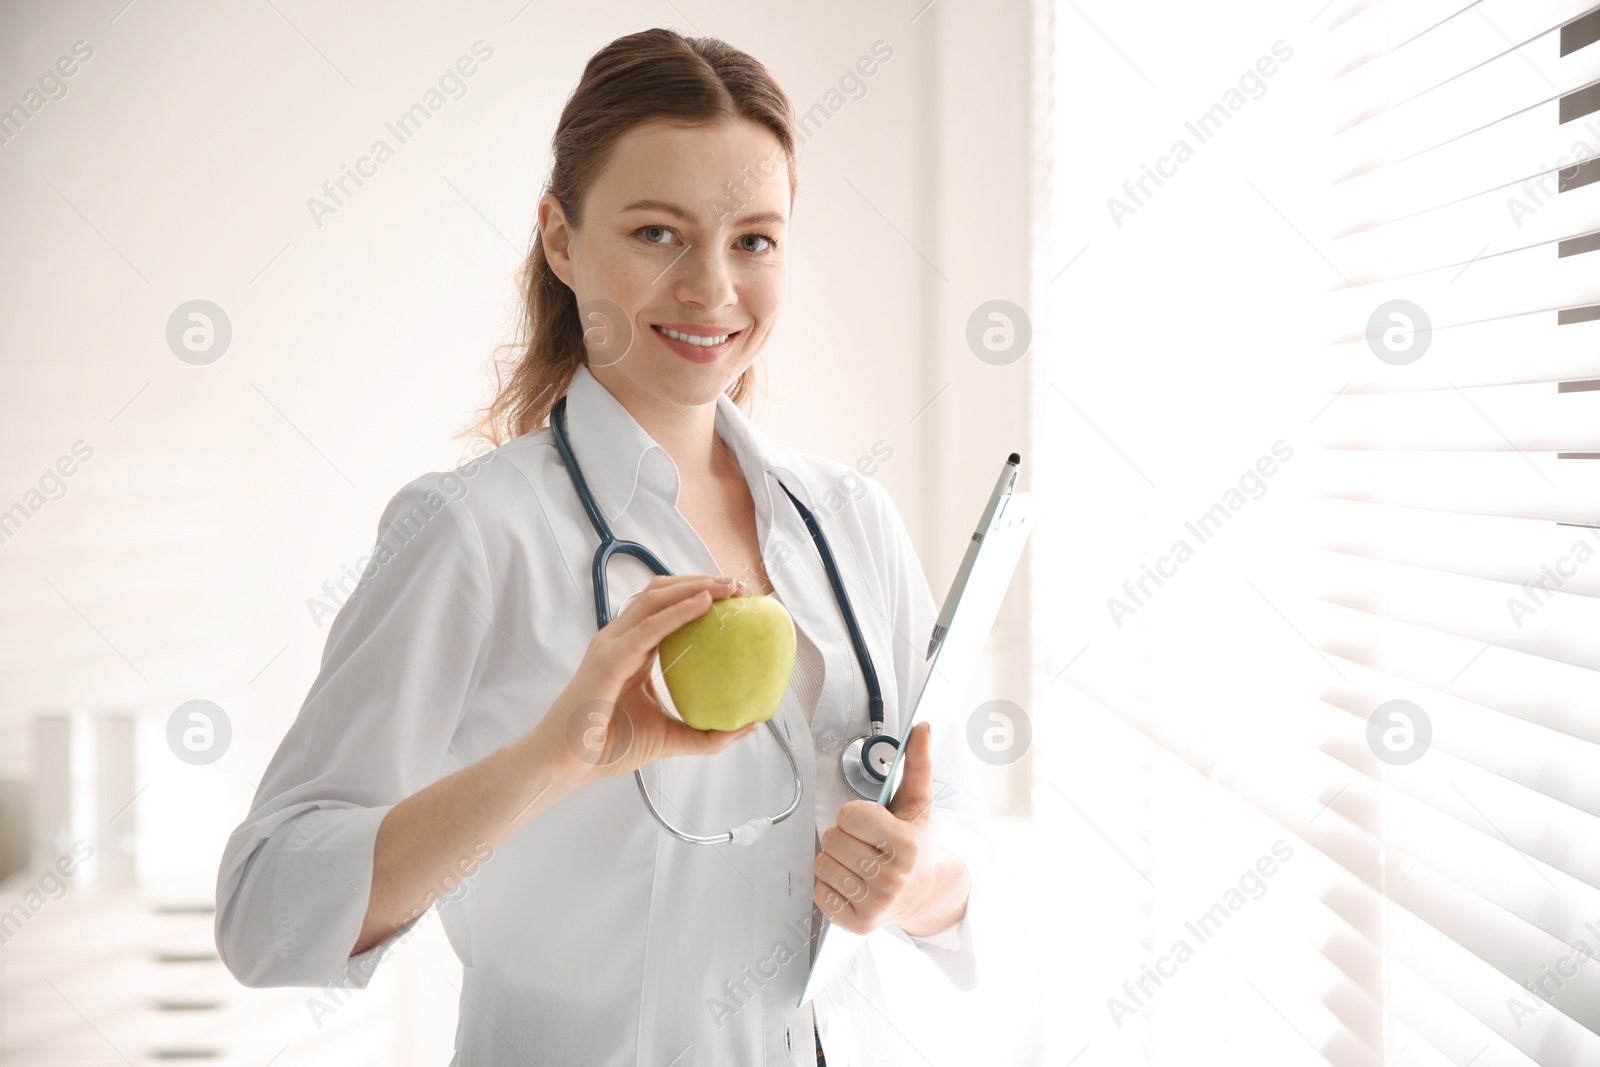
877,866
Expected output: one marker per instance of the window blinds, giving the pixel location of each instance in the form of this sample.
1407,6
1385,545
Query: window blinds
1446,554
1454,529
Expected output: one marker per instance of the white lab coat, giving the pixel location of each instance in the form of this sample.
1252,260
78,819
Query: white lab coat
593,937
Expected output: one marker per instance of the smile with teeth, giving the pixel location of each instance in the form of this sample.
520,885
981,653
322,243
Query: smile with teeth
694,339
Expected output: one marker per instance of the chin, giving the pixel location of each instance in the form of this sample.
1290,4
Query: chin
696,383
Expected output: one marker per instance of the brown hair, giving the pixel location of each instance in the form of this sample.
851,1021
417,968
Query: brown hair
652,74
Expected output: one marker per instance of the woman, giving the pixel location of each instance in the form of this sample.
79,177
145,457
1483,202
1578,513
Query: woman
470,737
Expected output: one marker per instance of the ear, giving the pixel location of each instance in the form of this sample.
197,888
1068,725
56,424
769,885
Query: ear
556,236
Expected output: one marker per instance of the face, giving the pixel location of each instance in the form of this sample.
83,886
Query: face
685,232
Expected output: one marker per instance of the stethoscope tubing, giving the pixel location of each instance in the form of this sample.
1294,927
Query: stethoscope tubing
868,672
610,545
865,780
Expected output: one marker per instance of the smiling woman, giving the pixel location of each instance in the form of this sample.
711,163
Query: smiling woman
478,692
691,144
660,255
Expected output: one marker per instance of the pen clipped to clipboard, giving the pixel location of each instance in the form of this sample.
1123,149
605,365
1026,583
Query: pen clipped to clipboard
955,646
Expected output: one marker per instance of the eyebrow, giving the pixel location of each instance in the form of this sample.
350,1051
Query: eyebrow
678,212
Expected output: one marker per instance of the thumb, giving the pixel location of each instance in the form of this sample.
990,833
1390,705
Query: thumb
914,798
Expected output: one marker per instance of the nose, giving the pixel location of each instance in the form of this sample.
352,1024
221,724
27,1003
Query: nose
703,279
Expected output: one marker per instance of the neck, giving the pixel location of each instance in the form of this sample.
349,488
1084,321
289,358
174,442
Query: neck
688,432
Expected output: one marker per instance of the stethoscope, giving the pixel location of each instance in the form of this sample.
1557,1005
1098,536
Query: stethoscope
866,760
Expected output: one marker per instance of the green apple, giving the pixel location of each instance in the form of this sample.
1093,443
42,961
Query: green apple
730,666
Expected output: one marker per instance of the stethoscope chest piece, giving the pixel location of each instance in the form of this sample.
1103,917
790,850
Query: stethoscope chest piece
866,762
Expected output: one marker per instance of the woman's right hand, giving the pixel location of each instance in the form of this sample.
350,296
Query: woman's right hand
609,721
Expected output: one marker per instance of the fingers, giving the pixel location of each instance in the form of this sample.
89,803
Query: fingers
659,623
672,607
915,795
627,645
674,581
668,589
662,580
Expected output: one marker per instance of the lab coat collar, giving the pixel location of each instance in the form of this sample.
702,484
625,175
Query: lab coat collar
618,456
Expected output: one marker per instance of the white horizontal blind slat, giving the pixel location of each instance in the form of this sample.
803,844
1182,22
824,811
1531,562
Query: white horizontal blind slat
1512,350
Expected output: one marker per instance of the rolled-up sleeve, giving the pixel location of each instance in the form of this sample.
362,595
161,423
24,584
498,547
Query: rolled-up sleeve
401,662
960,818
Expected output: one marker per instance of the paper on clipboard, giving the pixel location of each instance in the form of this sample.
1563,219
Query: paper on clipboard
953,665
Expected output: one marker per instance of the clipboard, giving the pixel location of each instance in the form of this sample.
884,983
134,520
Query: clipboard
950,671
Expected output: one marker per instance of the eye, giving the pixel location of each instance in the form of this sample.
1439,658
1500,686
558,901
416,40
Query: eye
770,245
649,233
